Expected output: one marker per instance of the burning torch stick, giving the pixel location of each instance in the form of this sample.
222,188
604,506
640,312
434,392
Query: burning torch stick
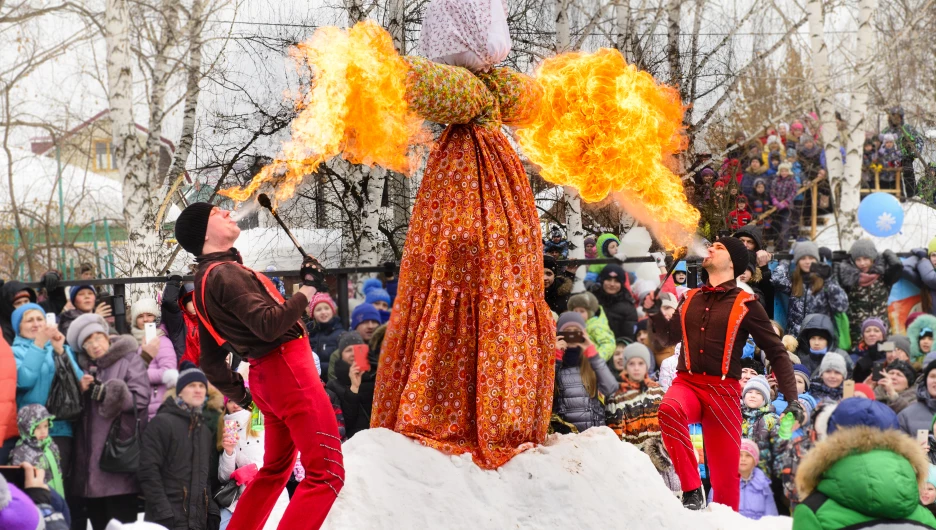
678,254
311,272
265,202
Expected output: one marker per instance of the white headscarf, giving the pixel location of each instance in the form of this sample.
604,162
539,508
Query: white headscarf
468,33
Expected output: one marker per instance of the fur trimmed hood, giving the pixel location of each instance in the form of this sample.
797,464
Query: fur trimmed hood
875,490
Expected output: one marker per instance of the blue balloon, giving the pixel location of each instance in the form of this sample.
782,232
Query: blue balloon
881,215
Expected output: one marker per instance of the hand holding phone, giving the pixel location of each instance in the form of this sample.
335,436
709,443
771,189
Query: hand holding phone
360,357
848,390
149,331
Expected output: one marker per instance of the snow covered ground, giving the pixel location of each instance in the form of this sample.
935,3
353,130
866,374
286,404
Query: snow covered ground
589,480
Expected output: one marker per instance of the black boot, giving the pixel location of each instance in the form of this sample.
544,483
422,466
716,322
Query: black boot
695,499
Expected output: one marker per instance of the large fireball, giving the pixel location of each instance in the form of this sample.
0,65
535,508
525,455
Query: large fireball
606,128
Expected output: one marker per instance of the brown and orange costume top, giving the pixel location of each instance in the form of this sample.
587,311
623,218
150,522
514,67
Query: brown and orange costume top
247,312
713,324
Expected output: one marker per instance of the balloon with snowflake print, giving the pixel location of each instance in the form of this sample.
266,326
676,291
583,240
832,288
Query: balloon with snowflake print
881,215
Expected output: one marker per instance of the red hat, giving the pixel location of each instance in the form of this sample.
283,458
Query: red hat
864,389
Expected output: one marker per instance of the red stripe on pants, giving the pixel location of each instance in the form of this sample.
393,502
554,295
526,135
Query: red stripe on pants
297,414
717,404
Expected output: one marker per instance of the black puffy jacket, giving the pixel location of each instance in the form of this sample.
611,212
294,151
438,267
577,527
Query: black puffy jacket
620,310
324,340
174,468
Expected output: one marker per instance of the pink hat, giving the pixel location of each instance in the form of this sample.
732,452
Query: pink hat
797,126
322,298
750,447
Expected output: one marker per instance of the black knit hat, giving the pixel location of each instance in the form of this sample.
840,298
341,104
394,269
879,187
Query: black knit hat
191,226
905,368
549,262
189,373
738,253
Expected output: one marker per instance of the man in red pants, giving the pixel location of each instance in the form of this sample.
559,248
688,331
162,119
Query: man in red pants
241,310
713,324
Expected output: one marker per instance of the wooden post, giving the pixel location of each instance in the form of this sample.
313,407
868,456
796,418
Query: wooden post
815,206
898,175
877,180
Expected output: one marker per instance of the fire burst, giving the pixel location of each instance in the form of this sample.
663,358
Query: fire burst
355,107
606,128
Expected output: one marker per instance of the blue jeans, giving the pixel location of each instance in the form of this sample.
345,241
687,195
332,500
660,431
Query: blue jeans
226,515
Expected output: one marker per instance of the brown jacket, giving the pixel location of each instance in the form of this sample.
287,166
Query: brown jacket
248,318
707,330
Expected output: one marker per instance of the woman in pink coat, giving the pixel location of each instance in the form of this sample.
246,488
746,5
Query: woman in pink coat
158,353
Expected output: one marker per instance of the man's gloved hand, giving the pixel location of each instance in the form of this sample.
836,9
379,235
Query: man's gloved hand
175,279
50,281
796,409
313,274
920,253
247,402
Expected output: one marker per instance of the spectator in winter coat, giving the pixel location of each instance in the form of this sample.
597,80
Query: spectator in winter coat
365,319
121,375
631,412
616,301
12,295
872,332
324,328
755,171
810,292
867,278
879,356
928,493
173,312
174,461
782,194
84,299
377,296
759,423
582,377
757,500
607,245
896,388
753,238
741,216
830,378
557,286
36,447
242,448
8,429
347,385
865,472
596,323
158,354
34,349
919,414
817,338
919,269
920,333
792,451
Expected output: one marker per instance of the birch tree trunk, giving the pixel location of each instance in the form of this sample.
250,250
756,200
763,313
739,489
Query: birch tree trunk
144,245
848,228
573,221
672,42
828,128
374,180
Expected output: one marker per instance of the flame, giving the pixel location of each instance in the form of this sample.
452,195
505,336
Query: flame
606,128
355,107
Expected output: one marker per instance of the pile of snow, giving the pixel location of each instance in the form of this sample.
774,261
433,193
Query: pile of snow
588,480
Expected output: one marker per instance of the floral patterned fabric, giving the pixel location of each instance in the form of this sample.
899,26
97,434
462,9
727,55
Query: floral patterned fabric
467,364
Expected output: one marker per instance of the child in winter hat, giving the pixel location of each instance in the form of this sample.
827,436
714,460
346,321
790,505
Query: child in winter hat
376,295
596,324
756,497
756,392
928,492
832,373
802,374
36,447
759,423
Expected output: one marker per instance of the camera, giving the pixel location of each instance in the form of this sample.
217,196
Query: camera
572,336
97,388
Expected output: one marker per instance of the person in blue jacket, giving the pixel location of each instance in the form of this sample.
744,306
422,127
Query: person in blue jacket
34,350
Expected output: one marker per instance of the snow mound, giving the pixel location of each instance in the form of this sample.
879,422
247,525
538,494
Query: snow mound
588,480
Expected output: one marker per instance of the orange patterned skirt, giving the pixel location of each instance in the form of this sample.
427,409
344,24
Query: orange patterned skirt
468,362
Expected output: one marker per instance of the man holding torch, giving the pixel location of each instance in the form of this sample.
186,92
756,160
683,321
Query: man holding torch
713,324
241,310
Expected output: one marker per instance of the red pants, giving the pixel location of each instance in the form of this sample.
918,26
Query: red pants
297,415
717,404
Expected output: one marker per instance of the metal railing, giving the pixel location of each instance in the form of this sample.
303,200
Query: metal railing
341,276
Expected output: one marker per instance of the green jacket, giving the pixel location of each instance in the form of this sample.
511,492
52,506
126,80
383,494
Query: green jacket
600,244
859,476
599,331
